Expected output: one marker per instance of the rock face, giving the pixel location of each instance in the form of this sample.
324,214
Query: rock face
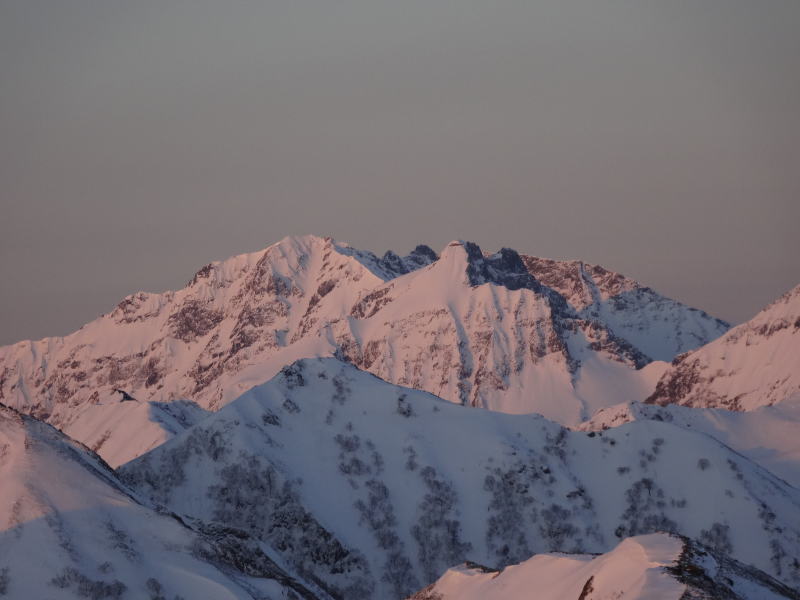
502,331
639,568
370,490
72,530
755,364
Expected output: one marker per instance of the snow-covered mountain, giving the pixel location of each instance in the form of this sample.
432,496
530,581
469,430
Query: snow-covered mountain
500,331
305,423
767,435
72,530
645,567
755,364
371,490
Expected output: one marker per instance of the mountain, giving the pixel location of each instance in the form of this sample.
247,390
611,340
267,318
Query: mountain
644,567
500,331
371,490
766,435
755,364
72,530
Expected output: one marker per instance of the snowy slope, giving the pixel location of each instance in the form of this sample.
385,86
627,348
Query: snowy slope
373,490
754,364
72,530
767,435
646,567
473,328
122,430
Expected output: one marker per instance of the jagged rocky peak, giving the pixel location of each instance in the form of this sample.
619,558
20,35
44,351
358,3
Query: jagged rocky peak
755,364
419,257
501,268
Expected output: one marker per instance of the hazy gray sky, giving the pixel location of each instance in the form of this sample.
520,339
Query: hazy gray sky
141,139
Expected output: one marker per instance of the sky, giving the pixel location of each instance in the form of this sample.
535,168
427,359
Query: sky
140,140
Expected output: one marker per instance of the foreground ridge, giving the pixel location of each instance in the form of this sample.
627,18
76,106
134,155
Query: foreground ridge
645,567
373,490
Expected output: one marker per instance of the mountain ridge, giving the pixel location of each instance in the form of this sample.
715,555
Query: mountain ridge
644,567
473,327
